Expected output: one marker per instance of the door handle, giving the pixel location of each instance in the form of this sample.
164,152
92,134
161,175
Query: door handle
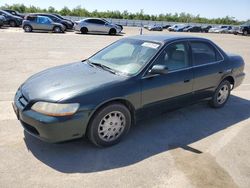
186,81
220,72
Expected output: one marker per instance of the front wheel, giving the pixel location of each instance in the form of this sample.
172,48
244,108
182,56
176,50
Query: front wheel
112,31
109,125
245,33
221,94
27,28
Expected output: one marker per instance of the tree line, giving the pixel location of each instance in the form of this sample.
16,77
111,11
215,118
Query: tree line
82,12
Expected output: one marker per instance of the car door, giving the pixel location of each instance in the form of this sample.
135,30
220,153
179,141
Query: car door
44,23
176,85
208,65
97,25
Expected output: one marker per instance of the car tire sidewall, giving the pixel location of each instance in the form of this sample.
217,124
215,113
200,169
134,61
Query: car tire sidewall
27,26
57,29
13,23
214,103
84,30
112,31
245,33
94,124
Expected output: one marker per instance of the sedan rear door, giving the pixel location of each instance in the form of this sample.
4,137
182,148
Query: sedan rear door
208,66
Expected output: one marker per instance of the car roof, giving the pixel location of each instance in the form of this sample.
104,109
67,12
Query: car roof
164,38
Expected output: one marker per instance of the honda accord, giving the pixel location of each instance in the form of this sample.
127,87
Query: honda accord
102,96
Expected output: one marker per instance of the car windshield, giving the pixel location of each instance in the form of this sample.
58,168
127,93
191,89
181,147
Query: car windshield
58,16
126,56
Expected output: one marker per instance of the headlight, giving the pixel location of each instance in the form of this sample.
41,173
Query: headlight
55,109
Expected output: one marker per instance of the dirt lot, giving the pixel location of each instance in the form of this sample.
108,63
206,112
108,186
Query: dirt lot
192,147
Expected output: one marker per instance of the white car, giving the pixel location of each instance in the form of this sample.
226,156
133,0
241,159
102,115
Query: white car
220,29
97,25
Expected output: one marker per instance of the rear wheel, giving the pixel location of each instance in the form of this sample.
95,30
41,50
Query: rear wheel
109,125
245,33
27,28
84,30
57,29
112,31
13,23
221,94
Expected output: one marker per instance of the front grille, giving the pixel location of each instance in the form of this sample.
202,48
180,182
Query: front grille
21,101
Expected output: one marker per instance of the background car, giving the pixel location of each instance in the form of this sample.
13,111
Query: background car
181,28
71,24
154,28
2,20
13,21
15,13
33,22
193,29
166,26
172,28
205,28
96,25
56,19
220,29
245,29
178,27
235,30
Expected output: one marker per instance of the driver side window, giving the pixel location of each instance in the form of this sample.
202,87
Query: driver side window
174,56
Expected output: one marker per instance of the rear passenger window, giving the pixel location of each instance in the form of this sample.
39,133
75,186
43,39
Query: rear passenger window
203,53
30,18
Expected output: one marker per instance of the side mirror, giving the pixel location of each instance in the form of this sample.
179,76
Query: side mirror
159,69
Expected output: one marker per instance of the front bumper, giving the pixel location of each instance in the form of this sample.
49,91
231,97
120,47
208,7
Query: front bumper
77,27
48,128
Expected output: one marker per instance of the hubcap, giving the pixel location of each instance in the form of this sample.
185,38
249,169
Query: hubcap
27,28
12,24
223,94
111,126
57,29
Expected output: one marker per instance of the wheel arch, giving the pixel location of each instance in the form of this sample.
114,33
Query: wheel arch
27,25
229,78
122,101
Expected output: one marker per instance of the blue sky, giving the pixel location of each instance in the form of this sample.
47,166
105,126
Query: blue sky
209,8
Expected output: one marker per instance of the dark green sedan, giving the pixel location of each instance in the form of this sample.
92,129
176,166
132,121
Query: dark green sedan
102,97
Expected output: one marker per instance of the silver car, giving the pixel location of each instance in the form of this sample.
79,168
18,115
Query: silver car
97,25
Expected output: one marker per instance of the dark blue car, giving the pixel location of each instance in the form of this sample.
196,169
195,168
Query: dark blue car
101,97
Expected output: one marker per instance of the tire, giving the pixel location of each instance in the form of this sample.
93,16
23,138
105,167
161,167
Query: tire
104,129
13,23
84,30
112,31
245,33
27,28
57,29
221,95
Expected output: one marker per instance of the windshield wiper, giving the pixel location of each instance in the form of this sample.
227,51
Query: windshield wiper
104,67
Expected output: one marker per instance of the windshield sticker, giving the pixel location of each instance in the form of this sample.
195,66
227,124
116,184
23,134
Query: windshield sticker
150,45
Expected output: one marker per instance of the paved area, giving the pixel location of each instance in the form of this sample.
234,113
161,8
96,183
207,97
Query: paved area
191,147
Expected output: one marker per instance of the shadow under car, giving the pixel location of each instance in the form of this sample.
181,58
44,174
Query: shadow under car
149,137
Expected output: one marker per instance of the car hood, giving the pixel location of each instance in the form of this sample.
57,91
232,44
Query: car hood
67,81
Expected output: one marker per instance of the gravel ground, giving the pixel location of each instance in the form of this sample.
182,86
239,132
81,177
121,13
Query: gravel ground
191,147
